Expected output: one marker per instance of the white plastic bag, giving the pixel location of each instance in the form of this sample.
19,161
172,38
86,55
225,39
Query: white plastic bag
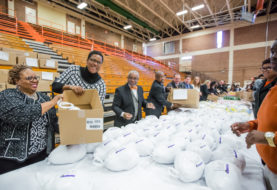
223,175
144,146
165,153
188,167
124,158
91,147
202,149
112,133
67,154
231,155
69,180
102,150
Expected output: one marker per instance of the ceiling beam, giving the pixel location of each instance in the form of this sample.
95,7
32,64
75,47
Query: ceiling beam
171,11
139,15
210,11
194,15
157,15
230,11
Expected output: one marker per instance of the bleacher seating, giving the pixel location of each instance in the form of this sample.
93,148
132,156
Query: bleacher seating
13,41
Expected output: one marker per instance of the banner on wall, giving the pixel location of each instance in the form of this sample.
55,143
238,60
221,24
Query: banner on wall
71,27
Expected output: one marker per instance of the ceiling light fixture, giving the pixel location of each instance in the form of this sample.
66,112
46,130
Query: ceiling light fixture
195,26
82,5
182,13
127,27
198,7
152,39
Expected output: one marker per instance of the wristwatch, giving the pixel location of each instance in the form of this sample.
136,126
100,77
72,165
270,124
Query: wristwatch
269,137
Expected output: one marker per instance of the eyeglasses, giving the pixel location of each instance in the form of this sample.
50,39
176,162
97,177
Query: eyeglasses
266,69
32,78
95,61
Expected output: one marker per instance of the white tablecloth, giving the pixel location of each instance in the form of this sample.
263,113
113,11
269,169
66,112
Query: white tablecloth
147,175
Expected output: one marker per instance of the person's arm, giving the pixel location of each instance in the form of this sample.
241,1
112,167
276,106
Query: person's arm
253,125
60,84
102,92
46,106
158,95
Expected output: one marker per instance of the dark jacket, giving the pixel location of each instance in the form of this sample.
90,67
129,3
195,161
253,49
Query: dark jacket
187,86
213,90
19,117
222,89
205,92
173,85
260,94
123,102
157,96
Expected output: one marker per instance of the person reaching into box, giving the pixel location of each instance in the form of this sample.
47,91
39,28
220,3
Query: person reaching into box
27,121
77,78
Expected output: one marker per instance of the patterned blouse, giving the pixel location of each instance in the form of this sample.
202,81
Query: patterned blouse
24,132
73,76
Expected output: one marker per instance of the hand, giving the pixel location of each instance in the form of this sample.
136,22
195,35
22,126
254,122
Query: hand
168,88
57,98
175,106
150,105
255,137
78,90
200,93
127,116
240,127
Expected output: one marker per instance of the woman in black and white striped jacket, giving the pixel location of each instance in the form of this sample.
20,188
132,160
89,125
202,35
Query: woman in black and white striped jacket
78,78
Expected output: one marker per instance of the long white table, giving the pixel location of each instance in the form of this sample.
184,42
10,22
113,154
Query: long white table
148,175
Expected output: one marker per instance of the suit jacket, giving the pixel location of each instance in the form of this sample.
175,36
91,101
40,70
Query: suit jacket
189,86
205,92
173,85
157,96
123,102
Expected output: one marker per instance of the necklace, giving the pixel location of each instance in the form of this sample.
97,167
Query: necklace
33,96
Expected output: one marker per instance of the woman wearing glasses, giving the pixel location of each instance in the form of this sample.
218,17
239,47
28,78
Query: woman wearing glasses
270,80
78,78
27,121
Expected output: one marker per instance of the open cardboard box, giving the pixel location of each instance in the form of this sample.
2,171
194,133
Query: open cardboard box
190,98
85,125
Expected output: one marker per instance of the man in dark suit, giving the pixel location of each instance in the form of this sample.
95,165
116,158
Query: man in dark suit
175,83
128,100
187,81
157,95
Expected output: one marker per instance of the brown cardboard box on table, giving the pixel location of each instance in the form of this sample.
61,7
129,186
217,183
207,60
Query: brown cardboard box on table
81,126
4,75
188,98
212,97
29,61
7,58
21,52
2,86
48,64
43,56
244,95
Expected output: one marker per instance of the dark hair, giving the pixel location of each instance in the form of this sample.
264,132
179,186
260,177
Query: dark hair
14,73
95,53
213,83
267,61
260,76
188,76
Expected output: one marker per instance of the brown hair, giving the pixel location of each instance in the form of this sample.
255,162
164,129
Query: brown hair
14,73
194,82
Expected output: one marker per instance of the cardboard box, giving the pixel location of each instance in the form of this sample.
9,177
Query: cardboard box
48,64
31,62
7,58
212,98
2,86
85,125
4,75
21,52
188,98
44,86
10,86
47,76
244,95
43,56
